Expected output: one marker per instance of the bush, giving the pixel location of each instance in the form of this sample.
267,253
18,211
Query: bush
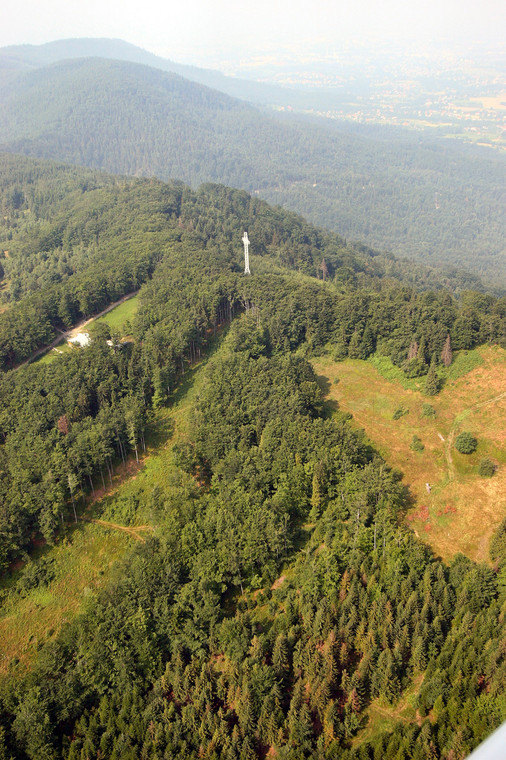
36,574
414,368
400,412
466,443
416,444
486,468
428,410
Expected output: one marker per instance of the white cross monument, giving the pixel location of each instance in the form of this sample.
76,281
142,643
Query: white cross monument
246,253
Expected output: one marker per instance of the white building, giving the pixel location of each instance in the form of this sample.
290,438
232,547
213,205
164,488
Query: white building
81,339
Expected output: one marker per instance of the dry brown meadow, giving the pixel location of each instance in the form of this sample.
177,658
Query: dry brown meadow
462,509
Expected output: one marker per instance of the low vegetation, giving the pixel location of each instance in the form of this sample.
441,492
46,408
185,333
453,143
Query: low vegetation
460,511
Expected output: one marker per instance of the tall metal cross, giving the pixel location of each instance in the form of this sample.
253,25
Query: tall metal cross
246,253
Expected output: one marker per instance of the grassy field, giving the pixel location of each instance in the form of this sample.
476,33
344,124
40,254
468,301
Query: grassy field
462,509
118,317
59,350
80,562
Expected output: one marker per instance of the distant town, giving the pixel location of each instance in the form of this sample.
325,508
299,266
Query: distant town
462,96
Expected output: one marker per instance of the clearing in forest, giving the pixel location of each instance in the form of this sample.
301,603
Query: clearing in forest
117,316
462,509
81,561
32,616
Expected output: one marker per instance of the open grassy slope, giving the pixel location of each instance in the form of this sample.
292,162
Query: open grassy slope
462,509
83,558
80,562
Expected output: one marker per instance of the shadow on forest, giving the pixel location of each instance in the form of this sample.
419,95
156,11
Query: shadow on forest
330,405
158,431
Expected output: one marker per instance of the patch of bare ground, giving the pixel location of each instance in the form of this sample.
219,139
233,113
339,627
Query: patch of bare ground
278,582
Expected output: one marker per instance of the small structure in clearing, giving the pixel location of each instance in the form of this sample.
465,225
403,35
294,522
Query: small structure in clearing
81,339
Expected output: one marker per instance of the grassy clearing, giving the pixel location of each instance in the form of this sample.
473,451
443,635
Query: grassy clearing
382,718
59,350
462,509
80,562
118,317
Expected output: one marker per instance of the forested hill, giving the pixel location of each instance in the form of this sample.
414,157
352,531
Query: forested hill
278,595
16,58
74,240
131,119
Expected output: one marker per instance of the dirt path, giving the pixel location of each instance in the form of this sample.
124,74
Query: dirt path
133,531
73,331
490,401
448,452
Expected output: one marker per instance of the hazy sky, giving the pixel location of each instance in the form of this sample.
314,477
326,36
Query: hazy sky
200,29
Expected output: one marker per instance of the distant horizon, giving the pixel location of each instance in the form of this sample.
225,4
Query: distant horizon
221,34
240,63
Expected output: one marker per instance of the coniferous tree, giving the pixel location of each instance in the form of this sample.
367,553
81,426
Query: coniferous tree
446,353
432,382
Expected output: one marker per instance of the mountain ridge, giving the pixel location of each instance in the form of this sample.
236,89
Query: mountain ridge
128,118
51,52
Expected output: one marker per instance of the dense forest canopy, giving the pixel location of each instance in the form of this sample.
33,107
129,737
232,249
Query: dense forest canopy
281,593
132,119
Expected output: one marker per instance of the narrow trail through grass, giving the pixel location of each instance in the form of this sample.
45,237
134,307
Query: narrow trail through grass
383,718
134,532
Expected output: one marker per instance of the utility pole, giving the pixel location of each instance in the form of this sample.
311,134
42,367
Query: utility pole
246,253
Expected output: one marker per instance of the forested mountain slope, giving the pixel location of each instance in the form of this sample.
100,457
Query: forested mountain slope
16,58
281,594
74,241
132,119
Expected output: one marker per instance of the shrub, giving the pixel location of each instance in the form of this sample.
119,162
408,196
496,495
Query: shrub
416,444
466,443
486,468
400,412
428,410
